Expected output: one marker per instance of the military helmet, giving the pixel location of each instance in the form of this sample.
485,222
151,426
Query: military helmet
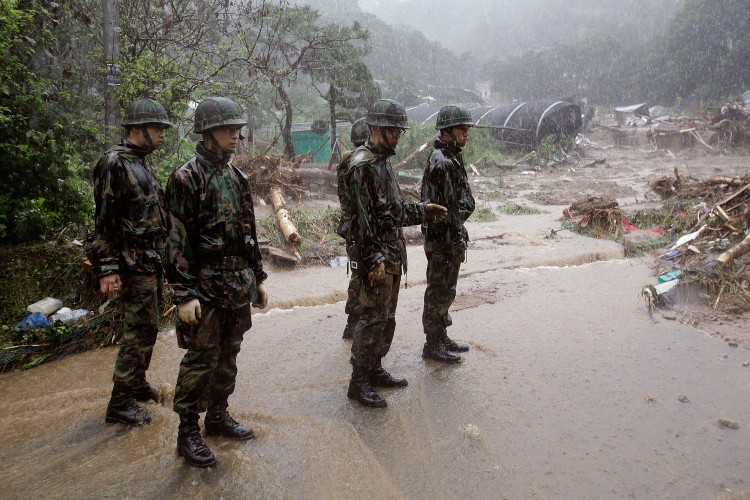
360,132
145,111
217,112
387,113
450,116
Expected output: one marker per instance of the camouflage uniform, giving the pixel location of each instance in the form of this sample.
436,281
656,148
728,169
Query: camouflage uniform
444,182
213,255
378,212
359,135
130,231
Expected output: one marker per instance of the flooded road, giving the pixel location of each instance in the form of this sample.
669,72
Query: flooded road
570,390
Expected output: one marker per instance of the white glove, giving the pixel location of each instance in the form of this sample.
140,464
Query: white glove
190,311
261,299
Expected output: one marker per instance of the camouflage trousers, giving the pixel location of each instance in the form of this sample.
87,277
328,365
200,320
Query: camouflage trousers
352,295
209,368
377,321
140,297
442,276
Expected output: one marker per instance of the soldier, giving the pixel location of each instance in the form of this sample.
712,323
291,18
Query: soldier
445,182
359,135
214,267
378,212
129,234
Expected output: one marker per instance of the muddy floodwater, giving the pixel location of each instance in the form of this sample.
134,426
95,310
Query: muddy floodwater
570,390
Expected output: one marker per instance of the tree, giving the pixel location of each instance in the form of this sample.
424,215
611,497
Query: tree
282,43
176,50
708,43
343,80
46,135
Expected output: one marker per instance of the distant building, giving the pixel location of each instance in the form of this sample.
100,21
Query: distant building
450,95
484,89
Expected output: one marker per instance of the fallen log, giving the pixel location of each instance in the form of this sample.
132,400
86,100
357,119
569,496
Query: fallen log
288,229
411,156
311,174
736,251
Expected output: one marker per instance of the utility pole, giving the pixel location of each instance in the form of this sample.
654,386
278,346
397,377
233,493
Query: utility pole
110,18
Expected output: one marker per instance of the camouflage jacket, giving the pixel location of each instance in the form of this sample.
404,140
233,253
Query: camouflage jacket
212,250
378,211
131,213
445,183
344,194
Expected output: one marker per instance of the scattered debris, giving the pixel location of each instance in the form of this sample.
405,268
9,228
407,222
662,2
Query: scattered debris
728,424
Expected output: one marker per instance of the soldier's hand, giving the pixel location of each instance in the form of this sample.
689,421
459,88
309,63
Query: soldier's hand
377,273
459,257
261,299
190,311
110,285
437,212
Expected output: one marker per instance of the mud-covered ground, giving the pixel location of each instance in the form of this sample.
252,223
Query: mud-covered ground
571,388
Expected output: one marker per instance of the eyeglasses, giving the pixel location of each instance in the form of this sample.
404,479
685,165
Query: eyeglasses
398,132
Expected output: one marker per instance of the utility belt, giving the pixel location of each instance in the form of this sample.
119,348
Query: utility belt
229,263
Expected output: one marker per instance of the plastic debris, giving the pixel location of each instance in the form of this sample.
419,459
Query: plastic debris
34,320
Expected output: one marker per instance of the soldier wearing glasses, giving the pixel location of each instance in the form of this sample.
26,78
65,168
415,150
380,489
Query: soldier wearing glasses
378,212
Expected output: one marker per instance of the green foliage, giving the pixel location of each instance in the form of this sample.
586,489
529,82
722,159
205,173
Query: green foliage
167,161
34,221
317,228
44,146
482,147
703,53
483,214
708,44
517,209
412,139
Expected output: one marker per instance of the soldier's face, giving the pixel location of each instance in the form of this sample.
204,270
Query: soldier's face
227,137
156,133
461,134
391,136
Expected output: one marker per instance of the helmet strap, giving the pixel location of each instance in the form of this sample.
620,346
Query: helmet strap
452,135
147,137
212,145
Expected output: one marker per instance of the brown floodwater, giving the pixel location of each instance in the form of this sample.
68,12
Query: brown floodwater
570,390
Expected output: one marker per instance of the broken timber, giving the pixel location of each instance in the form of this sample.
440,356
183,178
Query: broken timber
288,229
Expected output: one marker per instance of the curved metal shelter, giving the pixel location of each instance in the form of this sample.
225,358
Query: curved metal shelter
532,121
422,115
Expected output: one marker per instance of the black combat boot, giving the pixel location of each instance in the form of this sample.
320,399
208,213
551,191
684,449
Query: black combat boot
378,377
361,390
351,323
190,444
435,349
454,346
122,408
220,423
144,392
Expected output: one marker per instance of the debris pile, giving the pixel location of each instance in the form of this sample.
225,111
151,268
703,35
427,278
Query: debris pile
601,218
714,236
275,179
639,125
732,123
268,172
